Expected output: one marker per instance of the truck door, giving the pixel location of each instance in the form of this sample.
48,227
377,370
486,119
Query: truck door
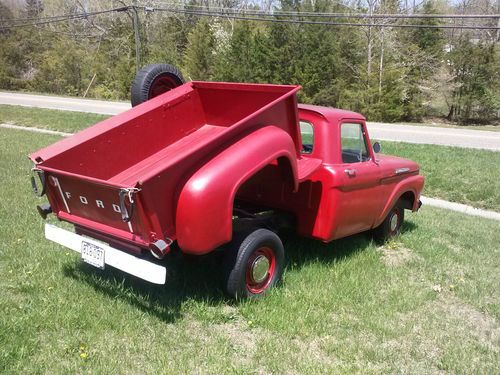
359,198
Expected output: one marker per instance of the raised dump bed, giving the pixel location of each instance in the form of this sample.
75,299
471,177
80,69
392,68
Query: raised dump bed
148,152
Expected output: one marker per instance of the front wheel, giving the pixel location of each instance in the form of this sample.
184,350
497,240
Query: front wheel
254,264
391,226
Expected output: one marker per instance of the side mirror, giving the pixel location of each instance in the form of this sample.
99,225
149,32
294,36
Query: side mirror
376,147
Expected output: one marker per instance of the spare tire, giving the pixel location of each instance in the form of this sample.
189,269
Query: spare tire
154,80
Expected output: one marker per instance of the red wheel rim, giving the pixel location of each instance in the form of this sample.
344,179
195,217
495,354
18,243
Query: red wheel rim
394,222
161,85
260,270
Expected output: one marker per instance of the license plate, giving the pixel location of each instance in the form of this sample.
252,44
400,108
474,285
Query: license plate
93,254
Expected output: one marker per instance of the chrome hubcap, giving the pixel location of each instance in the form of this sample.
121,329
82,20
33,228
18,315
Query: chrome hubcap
260,268
394,222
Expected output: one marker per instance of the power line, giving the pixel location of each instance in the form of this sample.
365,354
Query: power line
65,15
276,13
60,18
306,22
257,15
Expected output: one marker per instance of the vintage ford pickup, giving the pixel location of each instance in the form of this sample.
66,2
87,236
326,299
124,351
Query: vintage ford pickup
209,165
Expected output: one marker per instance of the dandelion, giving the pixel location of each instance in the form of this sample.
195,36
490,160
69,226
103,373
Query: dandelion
83,352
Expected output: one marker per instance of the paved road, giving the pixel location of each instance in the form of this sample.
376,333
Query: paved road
392,132
64,103
481,139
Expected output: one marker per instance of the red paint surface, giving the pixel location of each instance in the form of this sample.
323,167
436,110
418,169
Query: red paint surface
196,148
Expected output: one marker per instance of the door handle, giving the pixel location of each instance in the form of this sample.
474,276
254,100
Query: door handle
350,172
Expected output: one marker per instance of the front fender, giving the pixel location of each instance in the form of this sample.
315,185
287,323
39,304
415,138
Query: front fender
205,207
413,184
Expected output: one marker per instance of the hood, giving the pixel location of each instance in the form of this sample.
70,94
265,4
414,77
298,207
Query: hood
396,165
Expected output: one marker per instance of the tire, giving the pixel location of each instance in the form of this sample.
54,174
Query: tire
154,80
253,264
391,226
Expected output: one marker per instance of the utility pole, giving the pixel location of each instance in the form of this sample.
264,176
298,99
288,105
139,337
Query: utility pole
135,22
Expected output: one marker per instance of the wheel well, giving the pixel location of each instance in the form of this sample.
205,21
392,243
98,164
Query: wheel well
286,171
407,200
281,167
248,206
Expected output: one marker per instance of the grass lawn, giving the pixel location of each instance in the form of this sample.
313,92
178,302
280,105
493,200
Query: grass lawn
426,303
65,121
455,174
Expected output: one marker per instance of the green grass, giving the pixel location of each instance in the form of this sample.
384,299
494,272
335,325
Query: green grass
65,121
455,174
426,303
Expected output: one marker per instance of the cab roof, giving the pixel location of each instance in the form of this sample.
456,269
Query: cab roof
333,115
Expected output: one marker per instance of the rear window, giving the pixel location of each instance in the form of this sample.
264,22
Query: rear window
307,134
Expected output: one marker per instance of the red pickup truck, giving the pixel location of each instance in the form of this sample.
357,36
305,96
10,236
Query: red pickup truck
211,165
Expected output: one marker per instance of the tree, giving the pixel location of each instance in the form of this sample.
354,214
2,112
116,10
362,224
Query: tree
199,57
476,71
6,71
422,50
61,69
237,61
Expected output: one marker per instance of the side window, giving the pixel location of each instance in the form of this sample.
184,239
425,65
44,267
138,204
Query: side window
307,134
354,148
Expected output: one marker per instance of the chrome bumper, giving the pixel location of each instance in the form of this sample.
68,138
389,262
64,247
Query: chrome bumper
128,263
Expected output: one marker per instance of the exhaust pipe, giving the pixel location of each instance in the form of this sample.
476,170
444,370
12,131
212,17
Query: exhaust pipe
160,248
44,210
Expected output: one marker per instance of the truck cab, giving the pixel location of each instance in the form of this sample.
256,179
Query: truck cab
358,186
349,189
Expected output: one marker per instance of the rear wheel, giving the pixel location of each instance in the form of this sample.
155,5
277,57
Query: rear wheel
154,80
391,226
254,264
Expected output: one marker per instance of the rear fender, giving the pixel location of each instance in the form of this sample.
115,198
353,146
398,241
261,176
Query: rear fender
205,206
412,184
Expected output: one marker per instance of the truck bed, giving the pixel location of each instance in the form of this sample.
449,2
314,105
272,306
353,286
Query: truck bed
167,156
151,150
172,123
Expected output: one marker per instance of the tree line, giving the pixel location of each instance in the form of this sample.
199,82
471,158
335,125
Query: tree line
386,73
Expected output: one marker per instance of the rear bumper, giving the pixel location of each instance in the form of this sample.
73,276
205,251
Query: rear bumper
128,263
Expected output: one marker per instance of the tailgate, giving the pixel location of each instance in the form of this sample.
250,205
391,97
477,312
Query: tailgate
89,203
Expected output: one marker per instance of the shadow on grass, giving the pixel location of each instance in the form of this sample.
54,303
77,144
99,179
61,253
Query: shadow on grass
408,226
187,279
300,251
200,278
